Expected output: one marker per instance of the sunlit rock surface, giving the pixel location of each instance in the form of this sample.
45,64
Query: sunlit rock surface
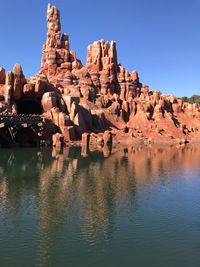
102,98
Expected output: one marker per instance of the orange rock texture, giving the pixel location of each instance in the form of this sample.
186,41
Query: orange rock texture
100,102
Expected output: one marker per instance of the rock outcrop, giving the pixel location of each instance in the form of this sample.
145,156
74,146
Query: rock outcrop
101,102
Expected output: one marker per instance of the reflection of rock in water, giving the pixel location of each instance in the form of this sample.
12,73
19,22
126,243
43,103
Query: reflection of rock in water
65,186
3,193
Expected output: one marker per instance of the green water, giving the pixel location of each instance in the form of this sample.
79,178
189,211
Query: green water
132,206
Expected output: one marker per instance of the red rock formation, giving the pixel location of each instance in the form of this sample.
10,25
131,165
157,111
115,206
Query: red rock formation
101,99
56,55
2,75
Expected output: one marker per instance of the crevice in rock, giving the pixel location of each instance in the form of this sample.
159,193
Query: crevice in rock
29,107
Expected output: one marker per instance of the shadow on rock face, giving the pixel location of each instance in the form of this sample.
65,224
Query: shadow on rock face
29,107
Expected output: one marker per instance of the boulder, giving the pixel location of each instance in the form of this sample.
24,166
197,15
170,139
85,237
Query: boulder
19,82
2,75
57,140
49,101
10,78
107,137
28,90
40,87
85,139
69,133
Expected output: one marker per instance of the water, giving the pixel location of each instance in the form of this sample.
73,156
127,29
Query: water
135,206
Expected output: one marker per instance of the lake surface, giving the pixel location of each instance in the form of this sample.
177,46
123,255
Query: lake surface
132,206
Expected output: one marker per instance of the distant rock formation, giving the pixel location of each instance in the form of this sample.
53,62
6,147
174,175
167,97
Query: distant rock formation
101,99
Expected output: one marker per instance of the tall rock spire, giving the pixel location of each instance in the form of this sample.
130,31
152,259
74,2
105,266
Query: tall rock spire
53,27
54,39
56,53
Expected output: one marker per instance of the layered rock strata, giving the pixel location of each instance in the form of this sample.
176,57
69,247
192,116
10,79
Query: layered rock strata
98,102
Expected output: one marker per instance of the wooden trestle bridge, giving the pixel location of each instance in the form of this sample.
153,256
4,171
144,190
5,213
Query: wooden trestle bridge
11,124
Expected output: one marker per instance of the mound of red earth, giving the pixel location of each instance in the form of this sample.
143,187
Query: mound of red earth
99,102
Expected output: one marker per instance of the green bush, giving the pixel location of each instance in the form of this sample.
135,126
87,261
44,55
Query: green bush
193,99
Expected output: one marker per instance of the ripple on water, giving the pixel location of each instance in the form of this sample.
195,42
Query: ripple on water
139,205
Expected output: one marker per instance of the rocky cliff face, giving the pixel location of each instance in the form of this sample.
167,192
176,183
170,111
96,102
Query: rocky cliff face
98,102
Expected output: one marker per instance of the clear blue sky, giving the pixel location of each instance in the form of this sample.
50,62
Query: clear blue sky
158,38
